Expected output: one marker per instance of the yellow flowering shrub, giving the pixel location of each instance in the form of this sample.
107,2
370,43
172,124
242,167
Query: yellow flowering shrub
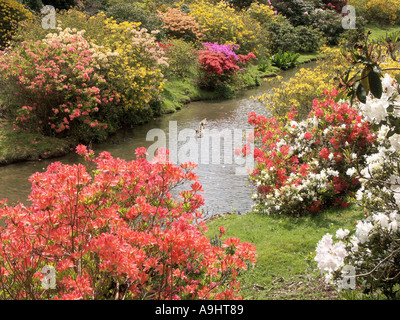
307,84
11,14
222,24
380,11
388,63
135,72
261,12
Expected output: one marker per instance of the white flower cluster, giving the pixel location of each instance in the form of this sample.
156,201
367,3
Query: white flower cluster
376,110
332,256
293,195
381,166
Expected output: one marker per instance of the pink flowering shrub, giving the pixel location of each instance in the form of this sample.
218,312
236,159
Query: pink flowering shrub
302,166
55,85
115,232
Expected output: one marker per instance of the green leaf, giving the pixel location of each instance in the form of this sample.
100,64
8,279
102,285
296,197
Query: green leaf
339,96
361,93
375,84
390,133
364,78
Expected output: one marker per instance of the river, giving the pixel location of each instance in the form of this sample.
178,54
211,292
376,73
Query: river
224,189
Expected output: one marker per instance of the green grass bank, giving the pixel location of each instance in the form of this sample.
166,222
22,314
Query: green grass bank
285,268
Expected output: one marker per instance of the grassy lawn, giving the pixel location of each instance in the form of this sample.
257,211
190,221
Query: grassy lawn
178,92
378,31
308,57
19,145
285,248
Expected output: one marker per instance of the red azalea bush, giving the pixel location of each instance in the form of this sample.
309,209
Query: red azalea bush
55,85
220,63
302,166
217,63
115,232
245,59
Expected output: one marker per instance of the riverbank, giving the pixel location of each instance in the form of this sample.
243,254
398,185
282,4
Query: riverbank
179,92
18,145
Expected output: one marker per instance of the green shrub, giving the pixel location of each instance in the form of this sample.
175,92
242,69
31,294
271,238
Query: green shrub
298,12
34,5
93,7
285,60
309,39
240,4
134,12
182,59
263,66
350,37
282,35
330,23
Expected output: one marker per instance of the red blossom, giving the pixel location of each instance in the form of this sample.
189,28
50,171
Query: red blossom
324,153
116,233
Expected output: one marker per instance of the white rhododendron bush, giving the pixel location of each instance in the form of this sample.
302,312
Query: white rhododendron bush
368,257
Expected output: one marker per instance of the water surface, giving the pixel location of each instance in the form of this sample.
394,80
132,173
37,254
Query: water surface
223,189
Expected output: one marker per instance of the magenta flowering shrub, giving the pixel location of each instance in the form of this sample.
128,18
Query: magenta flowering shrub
227,49
220,63
56,86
